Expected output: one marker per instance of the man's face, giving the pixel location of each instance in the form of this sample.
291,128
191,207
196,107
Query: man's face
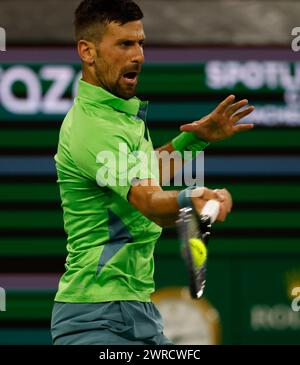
120,57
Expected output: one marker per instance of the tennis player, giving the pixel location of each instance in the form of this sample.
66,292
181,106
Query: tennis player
114,207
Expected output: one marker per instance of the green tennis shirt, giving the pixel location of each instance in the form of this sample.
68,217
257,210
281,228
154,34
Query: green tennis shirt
104,145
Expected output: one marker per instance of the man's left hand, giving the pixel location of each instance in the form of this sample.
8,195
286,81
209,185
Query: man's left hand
221,123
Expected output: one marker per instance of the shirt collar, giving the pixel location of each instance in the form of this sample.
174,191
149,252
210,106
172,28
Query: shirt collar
98,95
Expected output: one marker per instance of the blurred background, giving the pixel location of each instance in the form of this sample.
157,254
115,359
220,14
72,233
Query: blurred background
197,53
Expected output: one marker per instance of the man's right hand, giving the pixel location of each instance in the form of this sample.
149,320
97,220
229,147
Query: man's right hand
221,195
162,207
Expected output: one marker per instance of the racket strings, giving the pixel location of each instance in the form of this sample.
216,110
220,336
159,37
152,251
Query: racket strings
191,227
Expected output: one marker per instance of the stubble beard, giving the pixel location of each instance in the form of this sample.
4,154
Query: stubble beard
116,88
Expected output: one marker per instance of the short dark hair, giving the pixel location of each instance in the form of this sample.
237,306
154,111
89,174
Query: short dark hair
91,14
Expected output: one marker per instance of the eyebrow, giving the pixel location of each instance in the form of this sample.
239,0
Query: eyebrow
131,40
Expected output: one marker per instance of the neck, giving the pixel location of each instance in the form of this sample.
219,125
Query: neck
89,77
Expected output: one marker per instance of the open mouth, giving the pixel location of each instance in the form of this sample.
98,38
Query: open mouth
131,77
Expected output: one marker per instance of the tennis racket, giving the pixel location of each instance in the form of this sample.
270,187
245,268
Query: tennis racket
194,231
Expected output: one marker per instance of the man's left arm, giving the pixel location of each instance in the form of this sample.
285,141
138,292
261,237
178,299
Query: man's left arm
220,124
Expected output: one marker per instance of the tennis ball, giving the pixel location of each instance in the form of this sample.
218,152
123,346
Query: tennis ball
199,251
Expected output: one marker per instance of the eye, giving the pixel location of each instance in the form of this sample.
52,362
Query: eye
126,43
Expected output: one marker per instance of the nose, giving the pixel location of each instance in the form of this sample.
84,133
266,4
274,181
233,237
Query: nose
138,56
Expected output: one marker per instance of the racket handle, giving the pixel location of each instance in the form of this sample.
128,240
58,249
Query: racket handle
211,209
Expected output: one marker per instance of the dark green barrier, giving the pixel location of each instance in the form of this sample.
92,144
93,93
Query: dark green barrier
56,246
52,219
45,139
27,305
242,192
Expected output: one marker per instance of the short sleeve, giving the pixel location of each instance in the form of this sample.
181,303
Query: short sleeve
111,157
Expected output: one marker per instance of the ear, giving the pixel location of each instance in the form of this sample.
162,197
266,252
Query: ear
87,51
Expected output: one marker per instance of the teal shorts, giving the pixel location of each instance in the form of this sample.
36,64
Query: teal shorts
109,323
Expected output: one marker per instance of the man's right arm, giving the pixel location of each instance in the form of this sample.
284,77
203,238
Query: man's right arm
162,207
